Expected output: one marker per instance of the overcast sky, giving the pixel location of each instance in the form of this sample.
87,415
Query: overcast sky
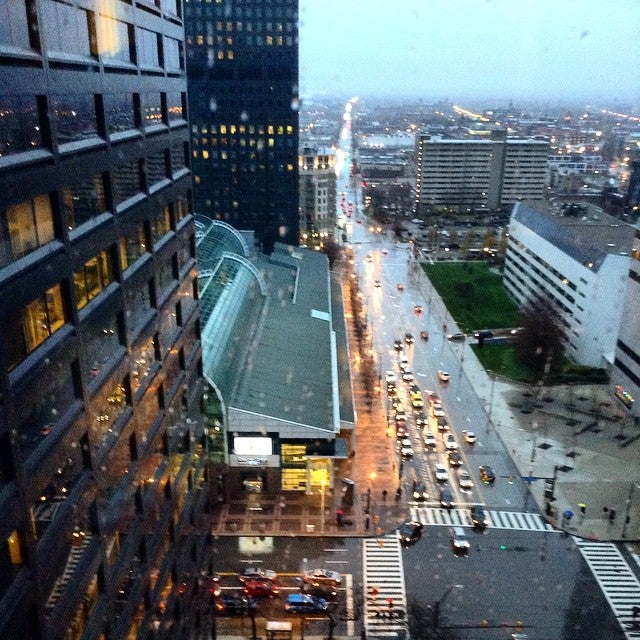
549,49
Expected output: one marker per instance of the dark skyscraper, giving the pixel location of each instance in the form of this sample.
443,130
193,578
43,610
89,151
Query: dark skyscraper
102,478
242,68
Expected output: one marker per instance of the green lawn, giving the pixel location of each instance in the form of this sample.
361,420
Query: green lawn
473,294
501,359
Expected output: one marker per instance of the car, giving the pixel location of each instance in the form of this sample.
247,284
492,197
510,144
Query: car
396,404
401,416
417,403
406,450
234,605
443,376
456,337
324,591
421,419
391,389
369,258
450,442
478,516
401,431
420,492
464,479
403,362
408,338
407,376
487,474
424,335
417,310
400,286
390,376
385,251
468,436
433,398
304,603
409,532
260,588
322,576
483,333
377,284
446,497
255,572
459,540
397,345
414,389
429,439
454,458
441,472
443,424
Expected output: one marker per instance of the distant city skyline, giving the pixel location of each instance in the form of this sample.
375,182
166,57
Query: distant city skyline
548,50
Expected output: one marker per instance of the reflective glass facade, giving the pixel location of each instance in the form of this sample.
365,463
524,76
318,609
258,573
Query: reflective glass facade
103,490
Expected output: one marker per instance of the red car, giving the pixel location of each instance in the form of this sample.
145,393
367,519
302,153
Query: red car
260,588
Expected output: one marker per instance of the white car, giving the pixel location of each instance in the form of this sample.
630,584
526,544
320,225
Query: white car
450,442
468,436
459,540
322,576
406,450
401,417
441,472
429,439
444,376
403,362
407,375
390,376
464,479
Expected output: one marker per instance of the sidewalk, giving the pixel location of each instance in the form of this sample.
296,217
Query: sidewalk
579,434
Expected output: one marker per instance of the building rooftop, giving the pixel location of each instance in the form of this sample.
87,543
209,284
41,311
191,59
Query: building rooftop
581,230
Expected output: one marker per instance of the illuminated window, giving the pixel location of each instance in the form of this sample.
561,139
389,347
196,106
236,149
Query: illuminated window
29,226
289,167
280,130
223,128
230,55
160,224
205,154
270,129
289,129
33,324
95,275
269,40
230,41
15,552
196,179
271,142
235,204
233,128
132,246
200,40
242,128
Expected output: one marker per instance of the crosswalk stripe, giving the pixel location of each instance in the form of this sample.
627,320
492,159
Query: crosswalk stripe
615,577
383,569
522,521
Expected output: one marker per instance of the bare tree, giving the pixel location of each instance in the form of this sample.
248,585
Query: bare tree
333,251
540,341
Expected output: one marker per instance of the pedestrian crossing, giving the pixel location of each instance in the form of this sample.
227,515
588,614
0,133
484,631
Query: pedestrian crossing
520,521
616,579
385,602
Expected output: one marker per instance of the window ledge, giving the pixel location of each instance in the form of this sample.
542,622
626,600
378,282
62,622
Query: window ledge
118,64
16,160
178,122
18,52
156,128
129,202
70,58
158,186
81,145
125,135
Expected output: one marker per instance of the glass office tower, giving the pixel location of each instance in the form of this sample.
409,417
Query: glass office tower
242,69
103,485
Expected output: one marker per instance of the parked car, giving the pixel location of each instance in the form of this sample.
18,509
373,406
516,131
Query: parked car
409,532
325,591
444,376
468,436
454,458
421,419
459,540
443,425
401,416
407,376
406,449
322,576
464,479
487,474
304,603
424,335
390,376
456,337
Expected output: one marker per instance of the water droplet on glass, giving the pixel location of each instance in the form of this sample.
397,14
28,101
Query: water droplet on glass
295,104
